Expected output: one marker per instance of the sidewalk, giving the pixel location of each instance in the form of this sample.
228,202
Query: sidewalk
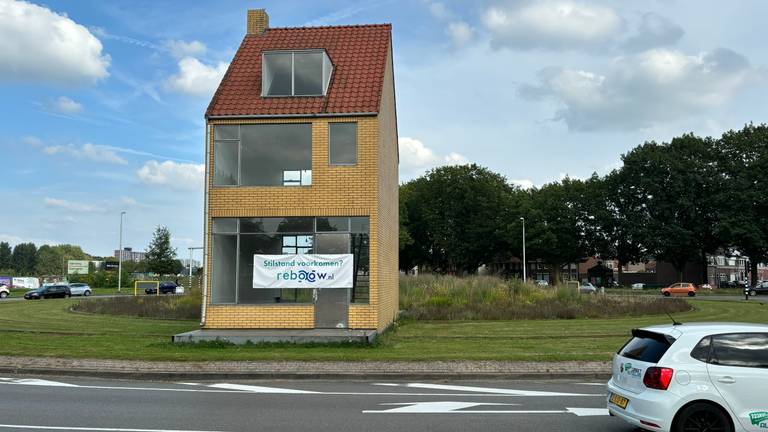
169,370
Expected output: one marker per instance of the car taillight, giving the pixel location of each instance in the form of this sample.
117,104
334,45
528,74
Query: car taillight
658,377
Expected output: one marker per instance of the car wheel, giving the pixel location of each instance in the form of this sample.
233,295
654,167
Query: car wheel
666,294
691,293
3,294
702,417
87,293
752,293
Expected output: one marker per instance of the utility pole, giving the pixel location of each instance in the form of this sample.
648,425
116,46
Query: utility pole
525,275
120,257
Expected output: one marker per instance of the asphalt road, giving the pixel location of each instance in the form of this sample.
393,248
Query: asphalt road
28,403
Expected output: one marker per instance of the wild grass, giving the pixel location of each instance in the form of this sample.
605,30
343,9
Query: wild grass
160,307
434,297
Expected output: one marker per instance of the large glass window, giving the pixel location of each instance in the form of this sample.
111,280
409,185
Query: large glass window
236,240
295,73
263,155
342,143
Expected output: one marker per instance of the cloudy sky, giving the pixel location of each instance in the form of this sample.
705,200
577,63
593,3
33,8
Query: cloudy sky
102,102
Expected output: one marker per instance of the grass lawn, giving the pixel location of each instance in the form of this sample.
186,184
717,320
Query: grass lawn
48,328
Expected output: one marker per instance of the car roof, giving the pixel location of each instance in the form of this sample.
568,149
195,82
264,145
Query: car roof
707,328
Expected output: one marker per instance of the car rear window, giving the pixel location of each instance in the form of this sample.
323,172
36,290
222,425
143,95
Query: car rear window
740,349
646,346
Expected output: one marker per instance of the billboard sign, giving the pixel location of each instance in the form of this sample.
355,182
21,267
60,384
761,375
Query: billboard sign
303,271
77,267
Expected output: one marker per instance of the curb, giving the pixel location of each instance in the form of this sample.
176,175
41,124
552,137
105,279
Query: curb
358,371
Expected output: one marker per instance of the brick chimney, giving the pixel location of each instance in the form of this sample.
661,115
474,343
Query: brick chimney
258,21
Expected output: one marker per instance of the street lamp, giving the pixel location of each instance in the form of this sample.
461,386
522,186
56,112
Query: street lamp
120,256
525,276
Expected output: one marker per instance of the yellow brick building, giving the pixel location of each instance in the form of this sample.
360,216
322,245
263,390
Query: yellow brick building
302,158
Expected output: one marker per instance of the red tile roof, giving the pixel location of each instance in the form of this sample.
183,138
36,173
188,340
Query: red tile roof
358,54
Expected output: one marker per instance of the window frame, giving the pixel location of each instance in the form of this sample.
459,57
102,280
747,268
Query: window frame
327,66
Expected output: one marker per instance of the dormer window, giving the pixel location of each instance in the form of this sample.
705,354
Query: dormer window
295,73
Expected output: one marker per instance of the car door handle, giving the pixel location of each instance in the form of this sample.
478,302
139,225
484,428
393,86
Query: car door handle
726,380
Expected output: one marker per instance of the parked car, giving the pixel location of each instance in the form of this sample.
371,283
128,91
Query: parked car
692,377
542,282
51,291
705,286
587,288
638,286
166,288
760,288
4,291
726,284
679,288
79,288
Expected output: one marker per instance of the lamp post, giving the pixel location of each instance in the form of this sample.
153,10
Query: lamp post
120,257
525,276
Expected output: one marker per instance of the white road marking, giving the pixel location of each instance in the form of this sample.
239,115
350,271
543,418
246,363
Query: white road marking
588,412
259,389
10,426
460,408
40,382
592,384
509,392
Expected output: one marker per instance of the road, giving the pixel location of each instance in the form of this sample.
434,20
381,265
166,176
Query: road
46,403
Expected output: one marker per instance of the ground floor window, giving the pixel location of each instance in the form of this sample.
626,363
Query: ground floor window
237,240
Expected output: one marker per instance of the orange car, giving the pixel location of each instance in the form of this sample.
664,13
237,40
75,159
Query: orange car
680,288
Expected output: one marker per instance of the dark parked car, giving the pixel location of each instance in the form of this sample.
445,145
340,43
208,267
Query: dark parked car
165,288
760,288
51,291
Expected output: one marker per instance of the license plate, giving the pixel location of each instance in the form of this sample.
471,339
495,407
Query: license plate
619,401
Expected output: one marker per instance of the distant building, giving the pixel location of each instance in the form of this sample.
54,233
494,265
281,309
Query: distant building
130,255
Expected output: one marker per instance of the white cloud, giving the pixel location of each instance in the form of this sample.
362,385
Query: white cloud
640,91
74,206
92,152
438,10
415,158
64,105
460,32
37,44
523,183
174,175
196,78
552,24
181,49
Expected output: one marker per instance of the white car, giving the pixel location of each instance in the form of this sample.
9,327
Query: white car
4,291
693,377
587,288
80,289
542,282
638,286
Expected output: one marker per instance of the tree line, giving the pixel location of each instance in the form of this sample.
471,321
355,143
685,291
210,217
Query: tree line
675,201
26,259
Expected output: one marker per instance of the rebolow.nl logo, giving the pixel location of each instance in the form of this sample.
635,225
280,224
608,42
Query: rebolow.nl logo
302,276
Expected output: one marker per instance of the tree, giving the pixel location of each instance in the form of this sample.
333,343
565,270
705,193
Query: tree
24,258
161,257
557,225
456,216
52,260
743,157
676,186
6,256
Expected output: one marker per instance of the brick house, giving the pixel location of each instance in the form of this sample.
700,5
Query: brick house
302,158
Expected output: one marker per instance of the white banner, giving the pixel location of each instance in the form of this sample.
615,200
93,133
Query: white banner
303,271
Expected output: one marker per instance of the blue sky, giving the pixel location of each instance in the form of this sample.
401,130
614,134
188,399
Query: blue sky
102,102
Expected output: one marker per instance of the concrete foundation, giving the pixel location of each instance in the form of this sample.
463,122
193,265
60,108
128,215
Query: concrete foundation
240,337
